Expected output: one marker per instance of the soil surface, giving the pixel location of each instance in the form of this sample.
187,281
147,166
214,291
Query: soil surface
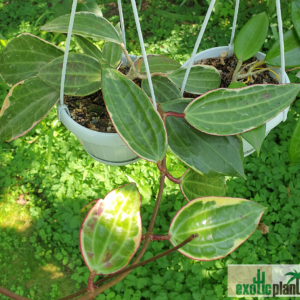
227,66
90,111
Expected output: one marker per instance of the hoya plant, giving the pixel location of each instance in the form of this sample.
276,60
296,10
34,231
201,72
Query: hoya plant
204,132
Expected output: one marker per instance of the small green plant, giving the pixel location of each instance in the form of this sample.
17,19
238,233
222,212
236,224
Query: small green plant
204,133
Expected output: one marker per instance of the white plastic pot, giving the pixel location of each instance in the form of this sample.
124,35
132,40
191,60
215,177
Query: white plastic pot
107,148
215,52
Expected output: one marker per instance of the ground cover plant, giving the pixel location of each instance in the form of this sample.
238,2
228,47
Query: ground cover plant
62,188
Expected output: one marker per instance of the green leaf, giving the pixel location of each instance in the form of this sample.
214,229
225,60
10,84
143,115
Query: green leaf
83,76
237,85
295,12
201,79
164,89
84,211
251,37
222,224
112,52
89,48
112,231
193,185
294,145
92,7
234,111
291,51
177,105
133,115
23,57
255,137
158,63
26,104
206,154
176,170
85,24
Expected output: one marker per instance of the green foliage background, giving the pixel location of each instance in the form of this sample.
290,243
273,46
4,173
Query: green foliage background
43,235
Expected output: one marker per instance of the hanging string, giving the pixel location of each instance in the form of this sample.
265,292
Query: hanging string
191,61
64,68
237,4
138,26
281,41
122,21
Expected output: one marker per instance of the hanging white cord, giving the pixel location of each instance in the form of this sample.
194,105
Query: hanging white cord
138,26
122,21
281,41
191,62
231,49
64,69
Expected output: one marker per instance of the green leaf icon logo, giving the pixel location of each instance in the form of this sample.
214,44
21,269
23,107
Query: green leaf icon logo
295,276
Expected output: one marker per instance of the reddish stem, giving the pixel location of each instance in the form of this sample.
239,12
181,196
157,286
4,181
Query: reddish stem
174,114
90,285
160,167
11,295
156,237
173,179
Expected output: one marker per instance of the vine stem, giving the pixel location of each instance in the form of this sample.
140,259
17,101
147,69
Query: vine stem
168,175
125,272
174,114
11,295
253,73
157,237
236,71
128,57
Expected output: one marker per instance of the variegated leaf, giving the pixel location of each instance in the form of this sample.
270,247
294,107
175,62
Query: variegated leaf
26,104
234,111
24,56
83,76
222,224
112,230
194,185
133,115
201,79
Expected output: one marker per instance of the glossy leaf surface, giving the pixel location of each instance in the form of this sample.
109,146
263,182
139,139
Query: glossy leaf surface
23,57
177,105
194,185
164,89
134,117
222,224
294,146
83,76
111,232
234,111
251,37
295,12
201,79
158,63
92,7
26,104
112,52
206,154
291,51
89,48
85,24
255,137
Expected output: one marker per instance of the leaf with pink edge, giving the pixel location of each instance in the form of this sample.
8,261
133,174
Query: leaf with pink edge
222,224
112,230
84,211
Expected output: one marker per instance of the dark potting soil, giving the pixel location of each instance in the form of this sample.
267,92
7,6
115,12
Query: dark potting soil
228,64
90,111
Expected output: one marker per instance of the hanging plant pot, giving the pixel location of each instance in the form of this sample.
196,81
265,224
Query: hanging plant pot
107,148
216,52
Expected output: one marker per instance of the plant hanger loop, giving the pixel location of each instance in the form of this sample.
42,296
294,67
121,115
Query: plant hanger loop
231,46
138,26
64,68
122,21
281,41
191,61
